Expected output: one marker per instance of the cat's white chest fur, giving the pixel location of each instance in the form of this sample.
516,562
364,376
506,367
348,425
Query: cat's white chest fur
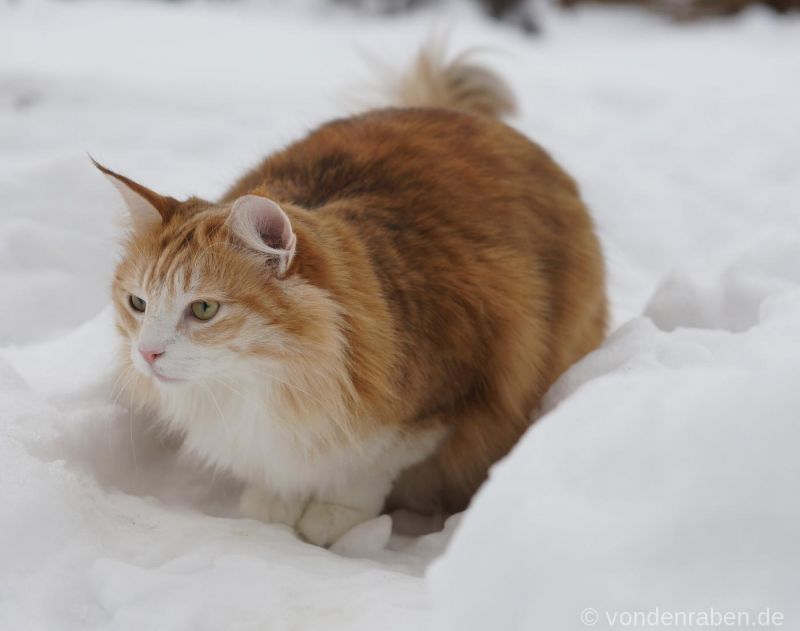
300,471
241,430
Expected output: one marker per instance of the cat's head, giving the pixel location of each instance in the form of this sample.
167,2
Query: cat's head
209,291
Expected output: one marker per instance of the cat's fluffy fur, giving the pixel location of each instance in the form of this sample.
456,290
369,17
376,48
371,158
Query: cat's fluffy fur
387,323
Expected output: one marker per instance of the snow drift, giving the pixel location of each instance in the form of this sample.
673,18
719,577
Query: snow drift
664,479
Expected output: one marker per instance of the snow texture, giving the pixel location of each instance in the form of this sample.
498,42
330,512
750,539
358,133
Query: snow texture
664,472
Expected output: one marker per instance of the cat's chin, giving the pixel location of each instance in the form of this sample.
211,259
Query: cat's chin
158,378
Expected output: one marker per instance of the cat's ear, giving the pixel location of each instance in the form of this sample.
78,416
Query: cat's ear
147,208
263,226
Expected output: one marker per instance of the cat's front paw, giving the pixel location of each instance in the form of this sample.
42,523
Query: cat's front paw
323,524
260,504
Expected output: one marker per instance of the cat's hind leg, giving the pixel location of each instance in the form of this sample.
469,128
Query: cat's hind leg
445,482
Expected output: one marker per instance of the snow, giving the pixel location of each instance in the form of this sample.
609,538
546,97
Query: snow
664,473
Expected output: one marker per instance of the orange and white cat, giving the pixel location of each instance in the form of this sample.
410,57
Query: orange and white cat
367,319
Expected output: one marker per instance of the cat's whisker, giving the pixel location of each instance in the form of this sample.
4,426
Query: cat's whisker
338,418
224,383
291,386
271,376
219,409
123,371
127,373
133,440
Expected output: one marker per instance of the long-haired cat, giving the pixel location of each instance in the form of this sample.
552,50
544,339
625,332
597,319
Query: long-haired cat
368,318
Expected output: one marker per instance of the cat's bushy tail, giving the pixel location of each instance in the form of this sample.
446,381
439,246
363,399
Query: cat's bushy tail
459,84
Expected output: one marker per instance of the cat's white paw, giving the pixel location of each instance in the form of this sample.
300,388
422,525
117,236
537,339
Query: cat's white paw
323,523
262,505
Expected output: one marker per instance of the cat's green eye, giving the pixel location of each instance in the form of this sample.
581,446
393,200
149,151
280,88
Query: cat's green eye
137,304
205,309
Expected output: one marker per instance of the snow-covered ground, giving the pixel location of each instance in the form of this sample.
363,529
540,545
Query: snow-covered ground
665,475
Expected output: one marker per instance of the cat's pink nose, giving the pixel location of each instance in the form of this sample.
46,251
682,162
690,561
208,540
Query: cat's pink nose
151,356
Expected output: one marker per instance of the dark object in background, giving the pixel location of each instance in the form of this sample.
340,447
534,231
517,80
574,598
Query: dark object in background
687,10
517,12
521,13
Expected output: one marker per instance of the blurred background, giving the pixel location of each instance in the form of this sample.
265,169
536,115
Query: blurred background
523,12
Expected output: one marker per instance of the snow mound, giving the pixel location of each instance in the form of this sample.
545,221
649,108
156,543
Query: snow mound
664,478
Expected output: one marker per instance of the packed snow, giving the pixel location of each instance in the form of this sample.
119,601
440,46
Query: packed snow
663,476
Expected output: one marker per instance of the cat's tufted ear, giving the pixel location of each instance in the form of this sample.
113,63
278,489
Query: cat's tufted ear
147,208
263,226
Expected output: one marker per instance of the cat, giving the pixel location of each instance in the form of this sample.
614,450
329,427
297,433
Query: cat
367,319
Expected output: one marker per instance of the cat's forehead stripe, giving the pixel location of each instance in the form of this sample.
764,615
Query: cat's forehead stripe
178,247
146,273
165,257
173,274
178,284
